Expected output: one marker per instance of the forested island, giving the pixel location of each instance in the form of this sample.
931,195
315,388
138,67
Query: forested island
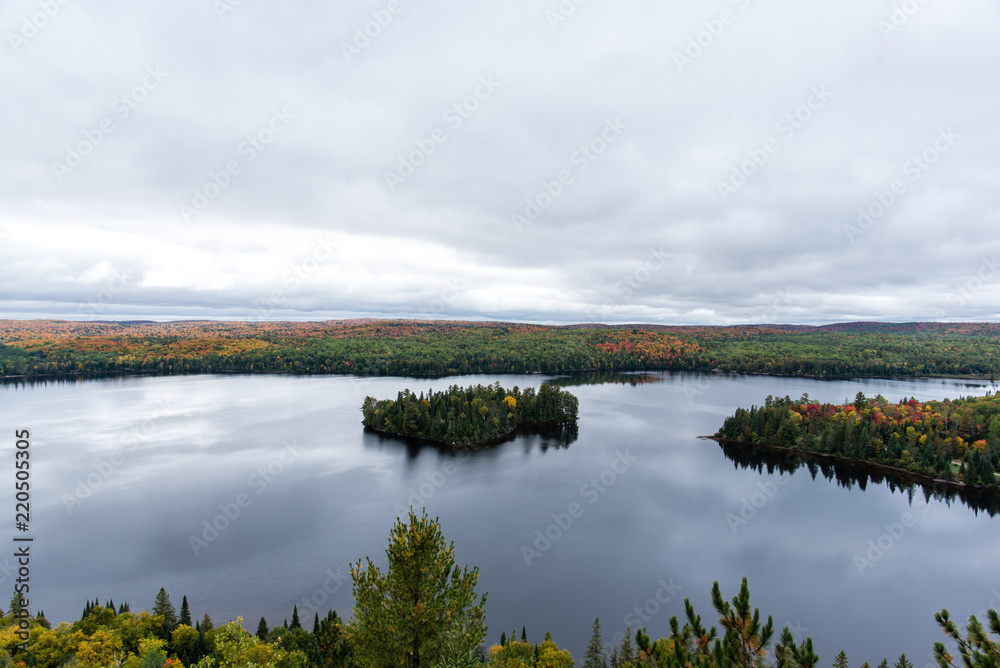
44,349
423,611
471,416
955,442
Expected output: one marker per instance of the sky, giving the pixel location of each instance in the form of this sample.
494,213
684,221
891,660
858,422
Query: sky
715,163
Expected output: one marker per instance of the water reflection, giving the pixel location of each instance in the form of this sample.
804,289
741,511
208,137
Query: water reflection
543,437
857,474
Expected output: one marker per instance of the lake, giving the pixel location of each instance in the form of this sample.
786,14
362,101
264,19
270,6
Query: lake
130,474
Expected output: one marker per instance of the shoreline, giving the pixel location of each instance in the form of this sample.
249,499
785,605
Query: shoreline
920,478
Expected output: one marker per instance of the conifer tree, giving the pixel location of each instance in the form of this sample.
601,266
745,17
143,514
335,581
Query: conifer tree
163,606
262,629
503,638
594,655
841,660
316,625
423,602
903,662
524,634
295,617
185,617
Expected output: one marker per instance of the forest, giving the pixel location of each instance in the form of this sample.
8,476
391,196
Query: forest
955,441
424,611
473,415
43,349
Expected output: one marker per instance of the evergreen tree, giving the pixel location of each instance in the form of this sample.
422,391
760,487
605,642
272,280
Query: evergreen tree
422,605
841,660
295,618
903,662
524,634
626,653
185,617
594,655
163,606
503,638
316,625
262,629
206,623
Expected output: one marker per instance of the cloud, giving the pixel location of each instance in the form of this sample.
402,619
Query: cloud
751,137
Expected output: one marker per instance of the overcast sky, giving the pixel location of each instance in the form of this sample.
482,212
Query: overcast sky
639,161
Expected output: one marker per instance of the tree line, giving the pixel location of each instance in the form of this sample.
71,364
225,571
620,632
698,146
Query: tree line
45,349
951,440
468,415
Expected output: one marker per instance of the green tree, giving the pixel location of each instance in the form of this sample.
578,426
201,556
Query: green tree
841,660
185,617
296,624
163,606
977,649
262,629
903,662
421,605
594,655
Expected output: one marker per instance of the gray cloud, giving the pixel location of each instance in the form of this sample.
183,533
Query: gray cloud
276,128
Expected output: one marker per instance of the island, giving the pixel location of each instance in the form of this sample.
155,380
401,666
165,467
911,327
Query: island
951,442
468,417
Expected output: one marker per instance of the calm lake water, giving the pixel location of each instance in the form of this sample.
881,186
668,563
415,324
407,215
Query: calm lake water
127,471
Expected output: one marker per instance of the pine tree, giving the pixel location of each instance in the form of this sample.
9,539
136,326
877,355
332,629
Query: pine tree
594,656
316,625
903,662
503,638
423,602
626,653
524,634
163,606
295,618
185,617
841,660
206,623
262,629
